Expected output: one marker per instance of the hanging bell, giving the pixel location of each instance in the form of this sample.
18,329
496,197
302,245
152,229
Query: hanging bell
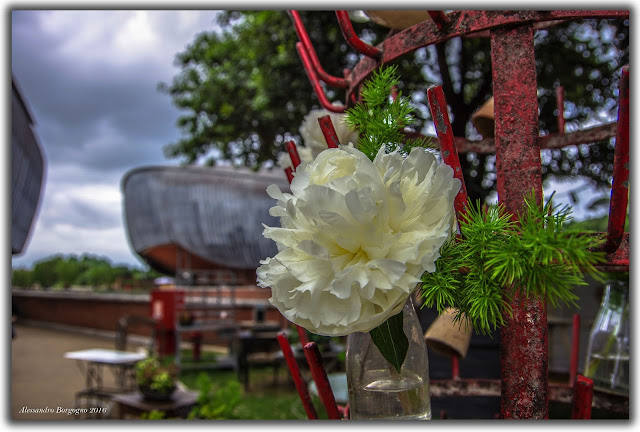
483,119
447,337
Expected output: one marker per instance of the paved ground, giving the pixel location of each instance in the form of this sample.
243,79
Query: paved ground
40,375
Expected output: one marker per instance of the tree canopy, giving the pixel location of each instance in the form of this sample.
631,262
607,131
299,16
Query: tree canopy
244,92
87,270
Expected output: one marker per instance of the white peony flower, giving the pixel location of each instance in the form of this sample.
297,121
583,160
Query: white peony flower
312,134
356,236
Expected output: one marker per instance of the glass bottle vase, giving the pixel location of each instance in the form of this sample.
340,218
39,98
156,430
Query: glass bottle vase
607,362
376,390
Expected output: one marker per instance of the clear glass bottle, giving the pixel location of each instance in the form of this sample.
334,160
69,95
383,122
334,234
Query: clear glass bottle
376,390
607,361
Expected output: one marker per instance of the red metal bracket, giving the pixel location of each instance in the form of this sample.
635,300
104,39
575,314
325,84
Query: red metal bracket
352,38
315,83
311,52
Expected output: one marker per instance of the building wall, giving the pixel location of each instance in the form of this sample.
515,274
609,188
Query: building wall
102,311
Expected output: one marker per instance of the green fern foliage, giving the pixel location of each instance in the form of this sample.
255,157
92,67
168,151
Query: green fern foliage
381,119
498,257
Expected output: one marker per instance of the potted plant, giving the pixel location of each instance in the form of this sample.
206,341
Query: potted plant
155,381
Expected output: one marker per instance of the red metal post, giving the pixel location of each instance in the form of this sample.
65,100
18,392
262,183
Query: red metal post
319,375
313,57
524,339
440,116
302,334
293,153
289,172
313,79
620,187
575,349
329,132
560,108
455,367
582,398
352,38
301,386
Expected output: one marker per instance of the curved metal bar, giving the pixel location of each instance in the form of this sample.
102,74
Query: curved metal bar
461,23
322,98
313,57
352,38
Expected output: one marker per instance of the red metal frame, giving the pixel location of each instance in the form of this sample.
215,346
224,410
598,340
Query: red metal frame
525,390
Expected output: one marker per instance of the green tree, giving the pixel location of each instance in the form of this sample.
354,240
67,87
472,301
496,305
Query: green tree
21,278
44,271
67,271
244,90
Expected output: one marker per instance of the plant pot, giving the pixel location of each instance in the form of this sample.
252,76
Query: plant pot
157,396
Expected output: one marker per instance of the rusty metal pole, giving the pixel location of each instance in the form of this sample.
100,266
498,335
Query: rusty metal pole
524,339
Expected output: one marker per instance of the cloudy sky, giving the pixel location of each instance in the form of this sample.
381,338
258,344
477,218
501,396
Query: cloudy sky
90,80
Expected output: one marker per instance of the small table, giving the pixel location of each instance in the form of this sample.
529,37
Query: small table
96,358
134,404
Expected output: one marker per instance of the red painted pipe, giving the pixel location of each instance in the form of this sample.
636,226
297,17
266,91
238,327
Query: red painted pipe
620,187
352,38
311,52
319,375
560,108
289,172
302,335
315,83
293,153
301,386
575,349
582,398
455,367
329,132
524,338
440,116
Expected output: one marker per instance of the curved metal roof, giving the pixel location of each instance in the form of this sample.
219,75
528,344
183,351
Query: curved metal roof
214,213
27,172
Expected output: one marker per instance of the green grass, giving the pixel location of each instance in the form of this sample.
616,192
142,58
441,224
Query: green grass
265,399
